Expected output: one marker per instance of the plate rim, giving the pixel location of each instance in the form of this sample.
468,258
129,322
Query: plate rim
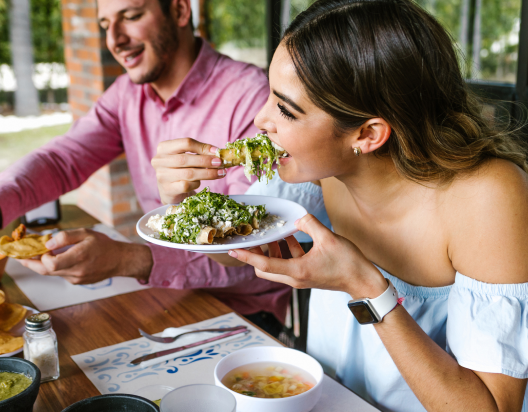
217,248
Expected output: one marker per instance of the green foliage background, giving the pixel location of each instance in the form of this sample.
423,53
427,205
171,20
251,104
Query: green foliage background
46,25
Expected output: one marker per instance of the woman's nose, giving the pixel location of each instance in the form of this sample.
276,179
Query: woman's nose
263,120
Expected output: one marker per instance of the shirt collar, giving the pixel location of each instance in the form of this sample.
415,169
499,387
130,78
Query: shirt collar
189,87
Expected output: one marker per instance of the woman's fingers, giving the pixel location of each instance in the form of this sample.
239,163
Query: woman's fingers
185,160
184,145
295,248
312,227
274,250
263,263
169,176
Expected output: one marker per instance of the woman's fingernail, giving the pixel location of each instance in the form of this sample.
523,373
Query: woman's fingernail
50,244
213,149
221,172
216,161
232,253
297,221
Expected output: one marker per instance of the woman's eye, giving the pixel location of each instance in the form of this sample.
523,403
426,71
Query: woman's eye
284,112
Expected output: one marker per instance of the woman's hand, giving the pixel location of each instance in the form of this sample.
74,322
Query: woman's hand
179,171
334,263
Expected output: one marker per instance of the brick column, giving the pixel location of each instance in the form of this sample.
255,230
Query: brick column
108,194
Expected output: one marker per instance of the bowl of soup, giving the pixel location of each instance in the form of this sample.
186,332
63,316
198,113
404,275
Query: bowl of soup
19,384
271,378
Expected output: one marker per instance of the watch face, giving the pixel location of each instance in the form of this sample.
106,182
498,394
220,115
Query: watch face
362,312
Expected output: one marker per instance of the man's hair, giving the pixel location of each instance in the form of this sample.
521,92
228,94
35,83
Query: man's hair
165,7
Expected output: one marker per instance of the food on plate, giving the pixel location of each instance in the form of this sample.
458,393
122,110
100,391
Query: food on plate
12,384
22,246
201,218
10,343
10,313
268,380
257,155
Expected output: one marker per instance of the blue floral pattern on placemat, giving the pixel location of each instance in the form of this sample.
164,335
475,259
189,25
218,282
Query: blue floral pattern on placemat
110,370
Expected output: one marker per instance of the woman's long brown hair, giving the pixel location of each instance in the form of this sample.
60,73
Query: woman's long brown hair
361,59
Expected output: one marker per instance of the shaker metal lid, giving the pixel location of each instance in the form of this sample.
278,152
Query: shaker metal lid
38,322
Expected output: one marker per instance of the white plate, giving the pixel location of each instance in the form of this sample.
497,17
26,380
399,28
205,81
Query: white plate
19,329
286,209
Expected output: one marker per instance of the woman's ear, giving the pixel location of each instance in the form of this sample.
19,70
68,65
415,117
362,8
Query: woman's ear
372,135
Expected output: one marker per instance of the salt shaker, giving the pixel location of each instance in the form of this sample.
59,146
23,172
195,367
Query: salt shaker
40,346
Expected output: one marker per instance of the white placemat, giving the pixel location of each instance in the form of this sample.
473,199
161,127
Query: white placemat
52,292
109,369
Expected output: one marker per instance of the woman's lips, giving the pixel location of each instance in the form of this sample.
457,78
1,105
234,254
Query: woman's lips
283,161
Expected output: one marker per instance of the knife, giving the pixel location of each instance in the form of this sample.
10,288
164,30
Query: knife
161,353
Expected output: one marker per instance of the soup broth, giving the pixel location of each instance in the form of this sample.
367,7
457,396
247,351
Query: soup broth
268,380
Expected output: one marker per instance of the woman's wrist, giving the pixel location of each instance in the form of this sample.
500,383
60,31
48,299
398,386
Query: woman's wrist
370,284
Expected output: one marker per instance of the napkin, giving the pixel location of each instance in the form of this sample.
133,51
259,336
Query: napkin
184,340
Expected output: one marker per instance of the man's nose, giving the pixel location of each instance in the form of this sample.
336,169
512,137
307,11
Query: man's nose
115,37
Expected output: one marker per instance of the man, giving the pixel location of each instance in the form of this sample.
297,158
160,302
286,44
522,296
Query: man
176,86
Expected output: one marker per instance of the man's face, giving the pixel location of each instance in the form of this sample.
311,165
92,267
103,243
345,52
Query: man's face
141,38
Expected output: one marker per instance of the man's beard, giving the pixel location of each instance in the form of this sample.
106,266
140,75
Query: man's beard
164,46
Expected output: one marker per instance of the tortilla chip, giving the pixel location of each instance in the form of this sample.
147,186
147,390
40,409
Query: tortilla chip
10,343
10,315
2,297
25,248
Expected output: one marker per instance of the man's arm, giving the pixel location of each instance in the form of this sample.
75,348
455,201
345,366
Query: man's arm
64,163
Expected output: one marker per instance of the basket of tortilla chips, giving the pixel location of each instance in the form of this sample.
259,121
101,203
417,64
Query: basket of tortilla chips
22,246
10,315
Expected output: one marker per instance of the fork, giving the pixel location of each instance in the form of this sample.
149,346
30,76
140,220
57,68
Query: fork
171,339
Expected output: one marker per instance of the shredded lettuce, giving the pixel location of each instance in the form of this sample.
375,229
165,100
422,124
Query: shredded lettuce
207,209
269,153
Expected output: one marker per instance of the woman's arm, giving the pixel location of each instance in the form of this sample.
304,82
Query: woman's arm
438,381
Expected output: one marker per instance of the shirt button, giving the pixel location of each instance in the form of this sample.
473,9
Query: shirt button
164,117
165,283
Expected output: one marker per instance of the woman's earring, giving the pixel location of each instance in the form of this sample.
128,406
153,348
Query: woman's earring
357,151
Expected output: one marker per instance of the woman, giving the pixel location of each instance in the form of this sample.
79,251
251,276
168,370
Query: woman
368,99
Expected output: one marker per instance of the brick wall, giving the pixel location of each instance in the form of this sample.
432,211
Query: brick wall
108,194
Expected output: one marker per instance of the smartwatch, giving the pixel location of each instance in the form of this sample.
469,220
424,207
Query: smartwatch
368,311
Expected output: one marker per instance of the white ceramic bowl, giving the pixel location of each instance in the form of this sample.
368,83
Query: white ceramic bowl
299,403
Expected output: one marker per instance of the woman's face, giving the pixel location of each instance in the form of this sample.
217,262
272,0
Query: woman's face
301,128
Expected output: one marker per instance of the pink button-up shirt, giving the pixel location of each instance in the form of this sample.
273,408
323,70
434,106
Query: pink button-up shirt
215,103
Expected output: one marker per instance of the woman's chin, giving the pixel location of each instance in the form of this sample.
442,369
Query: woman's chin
292,178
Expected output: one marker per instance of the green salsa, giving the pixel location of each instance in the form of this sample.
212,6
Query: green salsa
12,384
158,402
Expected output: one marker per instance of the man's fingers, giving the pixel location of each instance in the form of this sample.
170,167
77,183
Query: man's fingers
312,227
34,265
295,248
66,260
67,237
186,160
187,144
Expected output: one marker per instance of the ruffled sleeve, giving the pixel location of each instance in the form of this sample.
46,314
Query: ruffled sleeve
487,326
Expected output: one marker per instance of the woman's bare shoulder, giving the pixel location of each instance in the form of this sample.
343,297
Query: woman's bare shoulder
486,214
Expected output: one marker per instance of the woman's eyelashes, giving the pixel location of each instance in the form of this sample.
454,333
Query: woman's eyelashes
284,112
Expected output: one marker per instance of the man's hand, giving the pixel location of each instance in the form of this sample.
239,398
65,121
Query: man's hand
91,258
178,171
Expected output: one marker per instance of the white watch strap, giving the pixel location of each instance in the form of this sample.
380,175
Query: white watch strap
386,301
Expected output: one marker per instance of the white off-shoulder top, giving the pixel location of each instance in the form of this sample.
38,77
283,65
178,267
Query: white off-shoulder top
483,326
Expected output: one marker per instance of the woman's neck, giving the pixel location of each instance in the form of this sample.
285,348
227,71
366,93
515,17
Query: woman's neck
379,191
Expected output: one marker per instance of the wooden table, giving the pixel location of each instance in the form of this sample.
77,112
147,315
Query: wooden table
105,322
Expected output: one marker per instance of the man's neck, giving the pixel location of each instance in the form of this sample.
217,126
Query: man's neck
180,65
